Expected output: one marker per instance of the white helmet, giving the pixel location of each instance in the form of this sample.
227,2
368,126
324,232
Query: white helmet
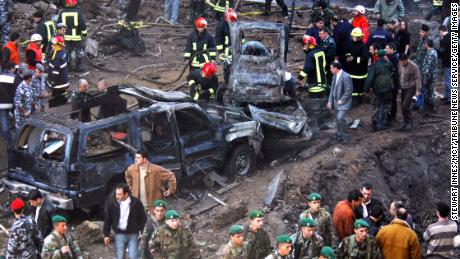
360,9
36,37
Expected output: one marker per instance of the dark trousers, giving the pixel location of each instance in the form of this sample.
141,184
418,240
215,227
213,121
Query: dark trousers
429,95
76,46
382,104
394,103
406,100
284,9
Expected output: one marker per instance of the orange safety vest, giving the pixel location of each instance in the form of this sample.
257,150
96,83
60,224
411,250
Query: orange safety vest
14,52
38,54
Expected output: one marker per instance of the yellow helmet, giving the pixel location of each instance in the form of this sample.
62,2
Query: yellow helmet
356,32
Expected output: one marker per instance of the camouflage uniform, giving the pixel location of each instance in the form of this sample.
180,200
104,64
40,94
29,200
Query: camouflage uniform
229,251
259,243
276,255
349,248
150,227
306,248
326,14
24,239
53,244
324,228
421,52
173,244
4,23
38,86
429,70
23,100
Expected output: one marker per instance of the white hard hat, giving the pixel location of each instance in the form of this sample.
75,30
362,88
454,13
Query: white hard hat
361,9
36,37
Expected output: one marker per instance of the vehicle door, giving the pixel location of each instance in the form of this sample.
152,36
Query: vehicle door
158,138
104,157
53,158
203,149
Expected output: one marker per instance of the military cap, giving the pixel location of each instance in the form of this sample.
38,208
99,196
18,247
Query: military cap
308,222
424,27
327,252
314,196
235,229
360,223
17,204
58,218
381,52
172,214
283,239
160,203
40,67
256,214
27,74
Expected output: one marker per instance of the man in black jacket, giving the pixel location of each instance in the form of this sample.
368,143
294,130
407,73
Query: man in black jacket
368,202
126,217
42,213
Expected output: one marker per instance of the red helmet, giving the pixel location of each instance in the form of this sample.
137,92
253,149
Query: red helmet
71,2
58,40
209,69
307,39
232,14
200,22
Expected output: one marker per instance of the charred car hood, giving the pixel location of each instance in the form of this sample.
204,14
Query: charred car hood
293,122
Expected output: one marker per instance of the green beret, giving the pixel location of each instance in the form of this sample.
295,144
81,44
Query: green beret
172,214
381,52
327,252
235,229
283,239
160,203
313,197
256,214
307,222
360,223
58,218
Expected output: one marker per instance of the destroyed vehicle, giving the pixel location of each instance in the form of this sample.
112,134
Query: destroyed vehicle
77,164
257,82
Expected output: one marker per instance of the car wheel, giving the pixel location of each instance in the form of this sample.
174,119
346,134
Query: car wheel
242,161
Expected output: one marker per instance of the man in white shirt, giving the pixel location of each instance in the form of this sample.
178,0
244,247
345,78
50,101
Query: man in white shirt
126,217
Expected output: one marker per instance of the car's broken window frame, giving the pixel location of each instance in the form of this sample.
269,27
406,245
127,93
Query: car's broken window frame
84,138
42,147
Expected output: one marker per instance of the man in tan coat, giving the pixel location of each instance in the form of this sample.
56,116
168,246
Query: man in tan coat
397,240
146,180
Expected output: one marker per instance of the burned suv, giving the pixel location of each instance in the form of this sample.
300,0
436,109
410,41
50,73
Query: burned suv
78,164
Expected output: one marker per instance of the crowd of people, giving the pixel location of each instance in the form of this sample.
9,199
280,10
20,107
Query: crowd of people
345,60
143,225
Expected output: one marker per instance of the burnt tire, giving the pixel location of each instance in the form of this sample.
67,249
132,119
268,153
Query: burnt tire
241,161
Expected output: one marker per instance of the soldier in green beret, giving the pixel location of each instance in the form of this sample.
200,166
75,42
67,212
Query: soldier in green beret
359,245
236,248
173,240
306,243
326,253
256,236
283,248
59,244
322,218
156,219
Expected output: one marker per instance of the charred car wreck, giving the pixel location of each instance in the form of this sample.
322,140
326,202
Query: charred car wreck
257,78
78,164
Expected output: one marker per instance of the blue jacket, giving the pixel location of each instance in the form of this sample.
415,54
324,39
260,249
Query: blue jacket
58,71
342,36
380,36
313,31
